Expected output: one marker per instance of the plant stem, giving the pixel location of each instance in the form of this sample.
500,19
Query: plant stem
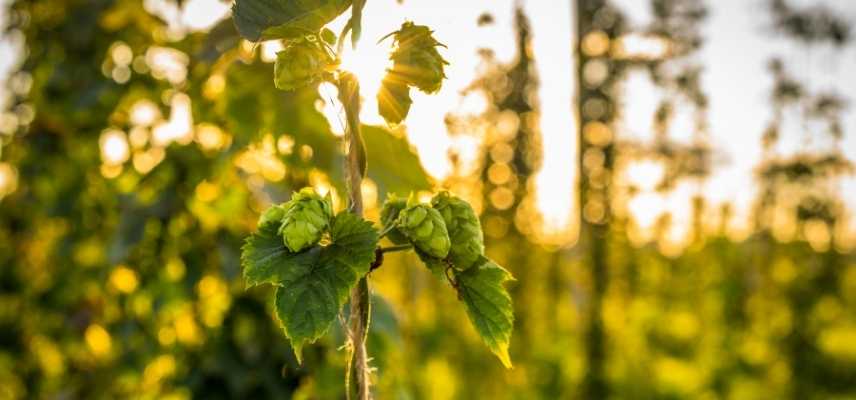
386,231
357,379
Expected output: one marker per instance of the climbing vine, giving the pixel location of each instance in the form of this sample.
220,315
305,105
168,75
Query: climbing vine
319,259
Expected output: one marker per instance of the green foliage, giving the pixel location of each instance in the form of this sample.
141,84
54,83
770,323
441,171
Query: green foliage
488,304
258,20
464,229
424,227
447,237
312,285
305,219
303,62
396,168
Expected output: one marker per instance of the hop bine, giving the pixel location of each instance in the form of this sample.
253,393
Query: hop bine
467,239
307,215
425,228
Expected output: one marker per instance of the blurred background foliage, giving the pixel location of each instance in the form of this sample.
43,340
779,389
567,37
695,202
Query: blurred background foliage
136,157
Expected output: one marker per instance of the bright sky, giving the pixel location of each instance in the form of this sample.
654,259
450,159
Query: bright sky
739,43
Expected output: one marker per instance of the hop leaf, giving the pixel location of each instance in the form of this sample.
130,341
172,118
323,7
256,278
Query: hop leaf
313,285
464,229
488,305
393,99
389,216
284,19
425,228
304,61
306,217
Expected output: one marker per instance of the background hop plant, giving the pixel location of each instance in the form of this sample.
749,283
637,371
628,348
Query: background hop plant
303,62
416,60
307,216
462,223
389,217
425,228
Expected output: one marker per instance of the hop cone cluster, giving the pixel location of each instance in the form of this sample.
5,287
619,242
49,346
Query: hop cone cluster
464,229
273,214
416,63
303,62
425,228
389,216
304,219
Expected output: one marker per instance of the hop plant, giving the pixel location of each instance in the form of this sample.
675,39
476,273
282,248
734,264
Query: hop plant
303,62
464,229
425,228
389,216
306,217
416,60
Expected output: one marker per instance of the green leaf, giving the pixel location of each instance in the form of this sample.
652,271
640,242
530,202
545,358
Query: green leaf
354,241
393,99
284,19
315,283
488,304
265,259
435,265
395,166
328,36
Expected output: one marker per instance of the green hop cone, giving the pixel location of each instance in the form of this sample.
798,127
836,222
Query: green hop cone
393,99
416,60
273,214
464,229
306,217
389,216
425,228
303,62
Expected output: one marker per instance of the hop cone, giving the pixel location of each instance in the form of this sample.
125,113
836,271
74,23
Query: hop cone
301,63
306,217
273,214
464,229
416,59
389,215
393,99
425,228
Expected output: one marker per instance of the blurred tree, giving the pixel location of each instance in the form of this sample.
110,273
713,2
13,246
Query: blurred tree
598,24
799,198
